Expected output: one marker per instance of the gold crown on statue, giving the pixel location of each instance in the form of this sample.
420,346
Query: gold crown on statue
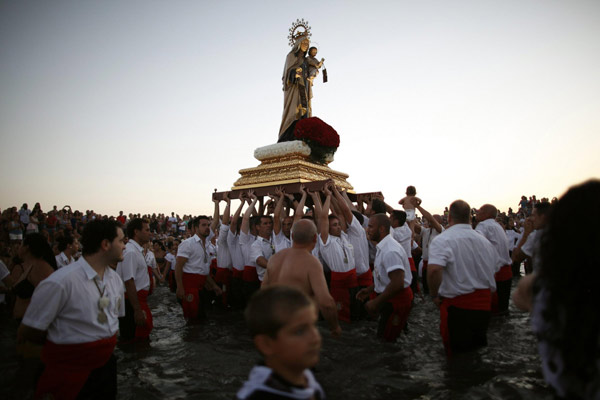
296,33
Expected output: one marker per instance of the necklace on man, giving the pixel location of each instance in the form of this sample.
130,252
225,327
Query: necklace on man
103,302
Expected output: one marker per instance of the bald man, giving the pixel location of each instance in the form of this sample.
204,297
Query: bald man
296,266
461,280
493,231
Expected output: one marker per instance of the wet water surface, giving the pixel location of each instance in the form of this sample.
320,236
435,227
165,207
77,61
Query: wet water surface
211,360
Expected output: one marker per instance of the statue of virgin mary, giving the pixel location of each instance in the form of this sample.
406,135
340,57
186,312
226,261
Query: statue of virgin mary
296,87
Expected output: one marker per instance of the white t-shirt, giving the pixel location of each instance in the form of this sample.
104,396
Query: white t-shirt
468,259
171,259
134,266
66,304
245,242
403,235
531,248
427,236
390,257
223,253
338,253
281,242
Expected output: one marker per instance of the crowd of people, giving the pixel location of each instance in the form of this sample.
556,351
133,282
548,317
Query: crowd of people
77,280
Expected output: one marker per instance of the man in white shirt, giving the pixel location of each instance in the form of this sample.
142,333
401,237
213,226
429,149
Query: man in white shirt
236,295
402,233
391,281
192,269
493,231
461,280
338,253
74,313
247,237
223,274
263,247
137,324
529,244
68,247
428,233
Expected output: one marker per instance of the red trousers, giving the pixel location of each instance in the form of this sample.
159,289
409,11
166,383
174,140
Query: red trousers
341,283
193,284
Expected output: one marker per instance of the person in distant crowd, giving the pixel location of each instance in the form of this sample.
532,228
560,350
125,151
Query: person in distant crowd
68,247
74,314
137,323
492,231
192,270
282,321
122,218
529,244
433,227
24,214
391,281
562,294
170,258
297,267
460,274
338,254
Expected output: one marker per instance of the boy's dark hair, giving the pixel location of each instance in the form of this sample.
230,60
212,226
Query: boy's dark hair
135,224
411,191
95,232
312,47
64,241
378,206
399,216
269,308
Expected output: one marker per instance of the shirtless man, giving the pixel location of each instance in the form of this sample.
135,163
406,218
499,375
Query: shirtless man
297,267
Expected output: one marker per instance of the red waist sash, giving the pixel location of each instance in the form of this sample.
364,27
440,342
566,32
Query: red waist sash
504,274
365,279
341,282
143,332
480,299
401,303
238,274
249,274
412,264
193,284
68,366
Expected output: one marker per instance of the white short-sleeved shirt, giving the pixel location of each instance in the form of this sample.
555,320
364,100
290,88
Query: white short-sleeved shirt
150,259
468,259
261,248
493,232
427,236
62,260
338,253
281,242
245,242
531,247
66,304
134,266
513,238
358,239
197,254
223,253
237,259
171,259
390,257
403,235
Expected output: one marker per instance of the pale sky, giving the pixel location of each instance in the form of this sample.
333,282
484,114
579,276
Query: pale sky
148,106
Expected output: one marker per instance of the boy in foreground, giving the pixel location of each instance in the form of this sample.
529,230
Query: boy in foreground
282,321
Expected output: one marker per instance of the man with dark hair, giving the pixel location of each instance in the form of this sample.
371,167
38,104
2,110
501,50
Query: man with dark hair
68,247
529,244
403,234
338,254
392,278
296,266
493,231
74,313
460,274
192,269
263,247
137,323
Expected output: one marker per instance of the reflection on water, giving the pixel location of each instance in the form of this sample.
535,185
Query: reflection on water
211,360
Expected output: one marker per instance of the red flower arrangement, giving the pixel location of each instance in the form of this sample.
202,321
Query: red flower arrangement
322,139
